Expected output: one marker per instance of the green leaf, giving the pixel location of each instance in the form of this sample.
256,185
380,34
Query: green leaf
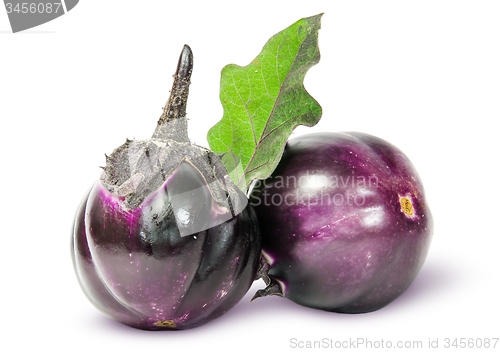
264,101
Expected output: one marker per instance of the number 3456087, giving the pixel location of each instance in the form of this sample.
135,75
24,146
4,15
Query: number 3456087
27,7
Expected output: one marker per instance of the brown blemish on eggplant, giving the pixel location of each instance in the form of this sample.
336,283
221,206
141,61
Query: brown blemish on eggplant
406,206
166,323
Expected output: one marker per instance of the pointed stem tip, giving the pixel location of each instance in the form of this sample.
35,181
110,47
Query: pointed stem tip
185,65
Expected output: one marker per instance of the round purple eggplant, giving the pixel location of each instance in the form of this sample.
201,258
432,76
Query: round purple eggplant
344,220
164,240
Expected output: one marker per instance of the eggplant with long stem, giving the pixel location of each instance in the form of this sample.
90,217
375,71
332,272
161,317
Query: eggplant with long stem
164,240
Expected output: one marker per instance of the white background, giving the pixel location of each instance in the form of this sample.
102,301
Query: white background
424,75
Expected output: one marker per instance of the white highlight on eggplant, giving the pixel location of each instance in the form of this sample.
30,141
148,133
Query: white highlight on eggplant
374,216
314,183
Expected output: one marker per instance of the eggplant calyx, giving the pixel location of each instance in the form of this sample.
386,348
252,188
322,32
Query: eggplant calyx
138,168
273,288
264,267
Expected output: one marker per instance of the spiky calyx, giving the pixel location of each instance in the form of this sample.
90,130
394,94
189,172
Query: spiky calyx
139,167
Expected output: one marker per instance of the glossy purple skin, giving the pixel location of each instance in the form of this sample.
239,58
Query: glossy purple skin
136,268
358,250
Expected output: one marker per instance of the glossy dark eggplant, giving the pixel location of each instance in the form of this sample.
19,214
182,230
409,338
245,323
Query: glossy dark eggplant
165,240
345,223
